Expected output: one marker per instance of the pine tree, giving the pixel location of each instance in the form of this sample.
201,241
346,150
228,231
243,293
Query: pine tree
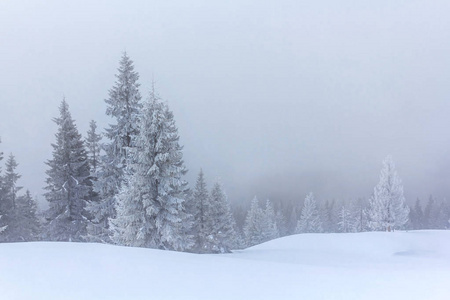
416,216
68,185
358,216
387,208
281,223
29,226
439,217
270,226
345,220
200,206
150,206
93,147
428,214
10,181
254,224
309,220
123,105
8,210
3,203
220,221
329,217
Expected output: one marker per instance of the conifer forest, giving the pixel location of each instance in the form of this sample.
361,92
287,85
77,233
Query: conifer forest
125,185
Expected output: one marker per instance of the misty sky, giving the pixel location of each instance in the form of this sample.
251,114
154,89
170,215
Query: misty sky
277,98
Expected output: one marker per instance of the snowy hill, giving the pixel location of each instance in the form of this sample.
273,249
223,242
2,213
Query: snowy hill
375,265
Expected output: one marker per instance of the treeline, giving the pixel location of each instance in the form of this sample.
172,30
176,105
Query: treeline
330,217
125,186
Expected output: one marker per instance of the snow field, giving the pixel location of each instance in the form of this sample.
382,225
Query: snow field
373,265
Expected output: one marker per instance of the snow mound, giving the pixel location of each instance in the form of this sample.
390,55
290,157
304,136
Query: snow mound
376,265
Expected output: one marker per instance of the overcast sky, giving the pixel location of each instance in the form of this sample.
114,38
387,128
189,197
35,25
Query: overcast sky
277,98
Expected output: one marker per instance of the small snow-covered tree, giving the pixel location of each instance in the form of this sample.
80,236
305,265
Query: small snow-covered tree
309,220
358,216
29,226
329,216
345,220
270,225
254,224
68,185
200,206
416,216
150,206
10,181
93,147
387,208
123,105
429,213
8,205
3,203
220,224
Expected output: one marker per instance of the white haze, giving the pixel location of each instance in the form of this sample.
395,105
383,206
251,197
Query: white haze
278,98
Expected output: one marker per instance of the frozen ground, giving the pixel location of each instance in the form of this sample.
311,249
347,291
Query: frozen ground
400,265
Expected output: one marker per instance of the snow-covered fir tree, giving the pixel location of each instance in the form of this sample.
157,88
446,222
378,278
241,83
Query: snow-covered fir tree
150,206
254,226
8,206
3,205
309,220
358,216
93,147
281,223
442,216
329,216
200,205
416,216
29,226
271,227
220,224
387,208
10,181
68,185
429,213
123,105
345,220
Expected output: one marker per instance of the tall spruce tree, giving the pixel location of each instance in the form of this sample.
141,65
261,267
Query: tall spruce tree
68,185
387,208
150,206
93,148
123,105
309,219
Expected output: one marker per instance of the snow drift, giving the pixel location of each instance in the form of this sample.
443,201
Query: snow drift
375,265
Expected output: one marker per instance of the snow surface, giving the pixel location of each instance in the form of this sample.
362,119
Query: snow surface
374,265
